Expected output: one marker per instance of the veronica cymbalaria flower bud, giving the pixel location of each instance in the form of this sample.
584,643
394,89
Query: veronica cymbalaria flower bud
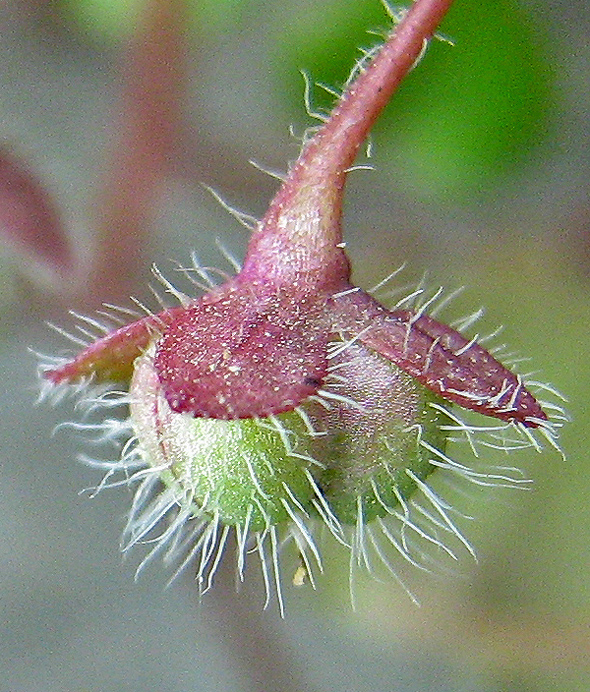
288,398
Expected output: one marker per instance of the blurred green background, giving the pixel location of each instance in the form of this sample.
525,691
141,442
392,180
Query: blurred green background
481,180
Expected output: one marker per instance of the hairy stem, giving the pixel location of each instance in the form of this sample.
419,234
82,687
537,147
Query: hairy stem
303,221
333,149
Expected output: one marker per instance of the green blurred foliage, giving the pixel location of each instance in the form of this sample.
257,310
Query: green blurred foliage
115,20
542,540
102,20
468,115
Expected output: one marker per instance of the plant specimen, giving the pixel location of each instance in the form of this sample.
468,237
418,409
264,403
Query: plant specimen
285,402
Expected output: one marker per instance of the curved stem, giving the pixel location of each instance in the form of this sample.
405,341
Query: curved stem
303,220
334,148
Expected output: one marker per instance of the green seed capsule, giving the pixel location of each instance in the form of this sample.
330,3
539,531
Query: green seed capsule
376,436
249,472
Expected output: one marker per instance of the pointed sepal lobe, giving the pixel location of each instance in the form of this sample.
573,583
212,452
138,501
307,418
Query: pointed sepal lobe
457,368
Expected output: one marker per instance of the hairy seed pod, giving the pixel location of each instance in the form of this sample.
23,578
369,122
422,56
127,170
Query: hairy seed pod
251,473
368,425
373,435
287,397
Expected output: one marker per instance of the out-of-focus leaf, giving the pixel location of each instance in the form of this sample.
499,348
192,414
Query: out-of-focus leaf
112,20
323,40
29,222
467,114
102,19
482,108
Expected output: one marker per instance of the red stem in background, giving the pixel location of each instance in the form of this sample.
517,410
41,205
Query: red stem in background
143,152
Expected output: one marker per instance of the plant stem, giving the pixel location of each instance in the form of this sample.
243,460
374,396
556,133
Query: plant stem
303,221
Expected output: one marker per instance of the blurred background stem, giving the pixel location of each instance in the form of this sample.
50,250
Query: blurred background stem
143,150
